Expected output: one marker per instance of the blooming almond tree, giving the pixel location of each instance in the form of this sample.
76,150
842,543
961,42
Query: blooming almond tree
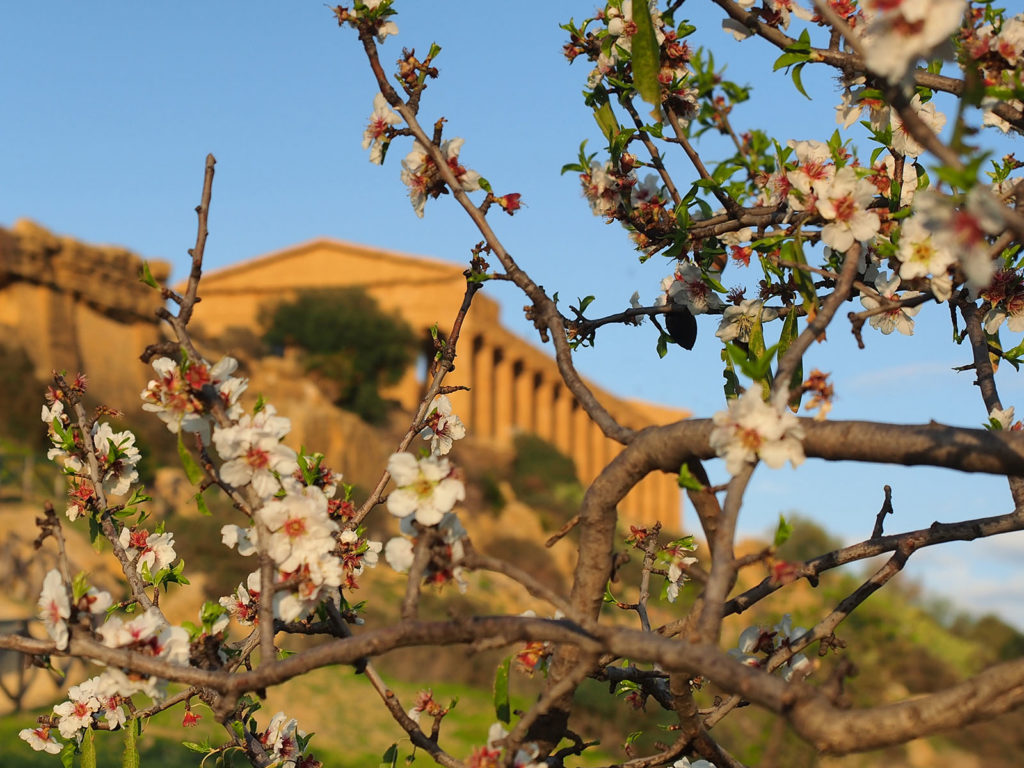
774,238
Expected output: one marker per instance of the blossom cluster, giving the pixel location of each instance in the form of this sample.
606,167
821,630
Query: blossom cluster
757,644
752,430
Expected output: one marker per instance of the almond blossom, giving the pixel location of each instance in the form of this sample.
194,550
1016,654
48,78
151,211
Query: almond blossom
902,141
814,164
738,322
922,254
751,429
899,32
426,488
964,230
54,608
178,395
253,454
897,317
687,288
375,137
422,176
442,426
154,551
41,739
843,202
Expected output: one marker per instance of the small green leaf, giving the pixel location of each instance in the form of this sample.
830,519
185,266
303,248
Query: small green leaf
502,706
646,56
390,757
88,749
798,81
130,755
688,481
201,505
193,471
146,276
67,755
485,185
606,120
194,747
585,302
783,532
663,341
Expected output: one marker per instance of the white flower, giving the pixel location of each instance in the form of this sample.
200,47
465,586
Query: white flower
155,550
685,763
1002,416
687,288
898,318
399,554
425,488
375,136
252,453
751,429
177,396
738,322
300,528
54,608
902,141
443,426
920,252
41,740
422,176
899,32
118,456
75,716
232,536
843,201
814,165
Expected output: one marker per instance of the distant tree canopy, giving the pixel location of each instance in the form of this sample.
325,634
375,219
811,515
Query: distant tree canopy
347,341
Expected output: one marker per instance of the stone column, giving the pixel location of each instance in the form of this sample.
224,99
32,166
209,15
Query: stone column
583,445
503,398
523,395
483,388
563,419
544,414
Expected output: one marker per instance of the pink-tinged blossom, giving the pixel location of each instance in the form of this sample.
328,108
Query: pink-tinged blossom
601,189
687,288
117,456
843,202
423,177
282,739
41,739
55,609
300,528
243,605
75,715
426,488
152,550
443,426
882,176
814,165
902,141
375,137
751,429
177,396
253,454
896,318
922,254
738,321
899,32
621,28
964,230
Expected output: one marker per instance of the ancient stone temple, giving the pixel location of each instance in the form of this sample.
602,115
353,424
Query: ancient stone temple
514,385
78,307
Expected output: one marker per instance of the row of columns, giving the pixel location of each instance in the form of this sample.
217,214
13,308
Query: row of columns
508,394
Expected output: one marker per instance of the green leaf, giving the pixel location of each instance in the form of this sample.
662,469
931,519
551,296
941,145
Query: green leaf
502,706
146,276
786,338
201,505
88,749
194,747
67,755
130,755
646,56
798,81
688,481
663,341
606,120
585,302
193,471
485,185
783,532
390,757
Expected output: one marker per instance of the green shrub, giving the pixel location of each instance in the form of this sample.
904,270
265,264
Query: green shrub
348,342
544,477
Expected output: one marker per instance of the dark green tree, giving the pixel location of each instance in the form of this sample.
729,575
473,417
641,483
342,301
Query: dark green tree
348,342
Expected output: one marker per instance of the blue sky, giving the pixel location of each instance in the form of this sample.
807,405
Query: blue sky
111,107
